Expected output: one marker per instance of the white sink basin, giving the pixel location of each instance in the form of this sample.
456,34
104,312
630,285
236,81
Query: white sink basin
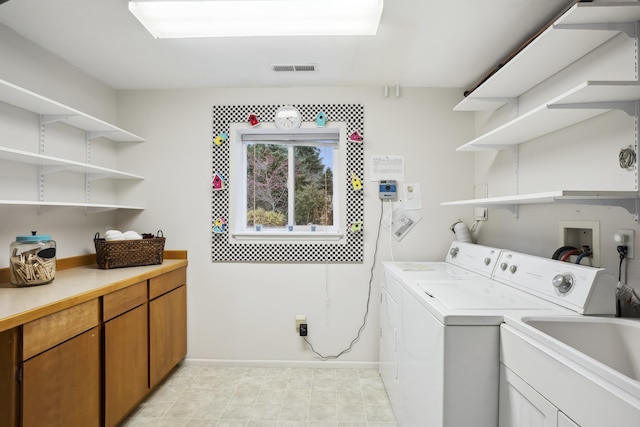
602,345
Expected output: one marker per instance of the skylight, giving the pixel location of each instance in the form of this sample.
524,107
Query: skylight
246,18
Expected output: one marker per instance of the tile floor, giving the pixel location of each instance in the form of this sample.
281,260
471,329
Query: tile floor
259,397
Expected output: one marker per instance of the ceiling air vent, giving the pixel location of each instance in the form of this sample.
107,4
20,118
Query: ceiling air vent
288,67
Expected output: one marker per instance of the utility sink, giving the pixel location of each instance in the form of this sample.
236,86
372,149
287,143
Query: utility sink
609,347
587,367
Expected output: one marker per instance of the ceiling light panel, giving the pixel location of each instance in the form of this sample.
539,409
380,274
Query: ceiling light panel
246,18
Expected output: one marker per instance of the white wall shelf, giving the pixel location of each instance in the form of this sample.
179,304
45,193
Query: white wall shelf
54,164
629,200
584,27
580,30
584,101
91,208
52,111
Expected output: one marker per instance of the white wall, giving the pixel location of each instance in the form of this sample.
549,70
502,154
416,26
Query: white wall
29,66
246,312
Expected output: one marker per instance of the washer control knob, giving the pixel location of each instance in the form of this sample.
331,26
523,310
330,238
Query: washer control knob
563,282
487,261
454,252
503,266
513,268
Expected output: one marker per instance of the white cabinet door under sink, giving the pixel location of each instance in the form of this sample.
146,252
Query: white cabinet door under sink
564,421
522,406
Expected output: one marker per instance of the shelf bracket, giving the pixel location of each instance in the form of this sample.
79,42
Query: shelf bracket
511,101
515,154
93,134
511,208
87,176
493,147
629,28
97,210
45,170
46,119
629,107
98,176
48,208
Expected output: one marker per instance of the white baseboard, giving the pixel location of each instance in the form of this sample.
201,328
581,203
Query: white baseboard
282,363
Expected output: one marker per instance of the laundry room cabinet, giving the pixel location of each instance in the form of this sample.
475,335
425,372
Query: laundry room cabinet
32,128
60,376
564,421
521,405
145,338
126,351
167,323
573,83
9,368
541,386
86,349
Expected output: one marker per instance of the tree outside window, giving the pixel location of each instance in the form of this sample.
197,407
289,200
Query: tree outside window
289,184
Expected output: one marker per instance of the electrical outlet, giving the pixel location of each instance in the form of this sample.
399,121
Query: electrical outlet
626,238
300,319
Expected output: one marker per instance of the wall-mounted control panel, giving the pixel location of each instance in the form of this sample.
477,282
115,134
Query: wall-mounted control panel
388,189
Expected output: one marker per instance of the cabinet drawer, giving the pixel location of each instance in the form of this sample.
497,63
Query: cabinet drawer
118,302
164,283
42,334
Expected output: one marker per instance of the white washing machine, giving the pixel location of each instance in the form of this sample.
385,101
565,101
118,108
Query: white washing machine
464,261
440,337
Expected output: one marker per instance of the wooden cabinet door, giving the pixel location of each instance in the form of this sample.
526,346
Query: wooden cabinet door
126,365
9,363
167,333
61,387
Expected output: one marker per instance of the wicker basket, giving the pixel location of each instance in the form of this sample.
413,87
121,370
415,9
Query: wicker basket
129,253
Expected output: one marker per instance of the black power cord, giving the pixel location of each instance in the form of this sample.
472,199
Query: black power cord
622,252
366,313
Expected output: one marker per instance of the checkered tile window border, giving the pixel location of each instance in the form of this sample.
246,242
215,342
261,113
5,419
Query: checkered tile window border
350,249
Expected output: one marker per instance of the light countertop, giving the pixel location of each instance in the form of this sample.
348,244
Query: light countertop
19,305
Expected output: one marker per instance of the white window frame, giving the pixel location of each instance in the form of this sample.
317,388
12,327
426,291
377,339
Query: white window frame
238,185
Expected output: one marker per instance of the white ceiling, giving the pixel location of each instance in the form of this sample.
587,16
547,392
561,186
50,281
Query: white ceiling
421,43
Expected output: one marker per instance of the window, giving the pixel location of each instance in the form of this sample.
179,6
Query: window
232,240
288,185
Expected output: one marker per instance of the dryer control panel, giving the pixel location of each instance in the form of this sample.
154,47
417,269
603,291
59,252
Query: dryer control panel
585,290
